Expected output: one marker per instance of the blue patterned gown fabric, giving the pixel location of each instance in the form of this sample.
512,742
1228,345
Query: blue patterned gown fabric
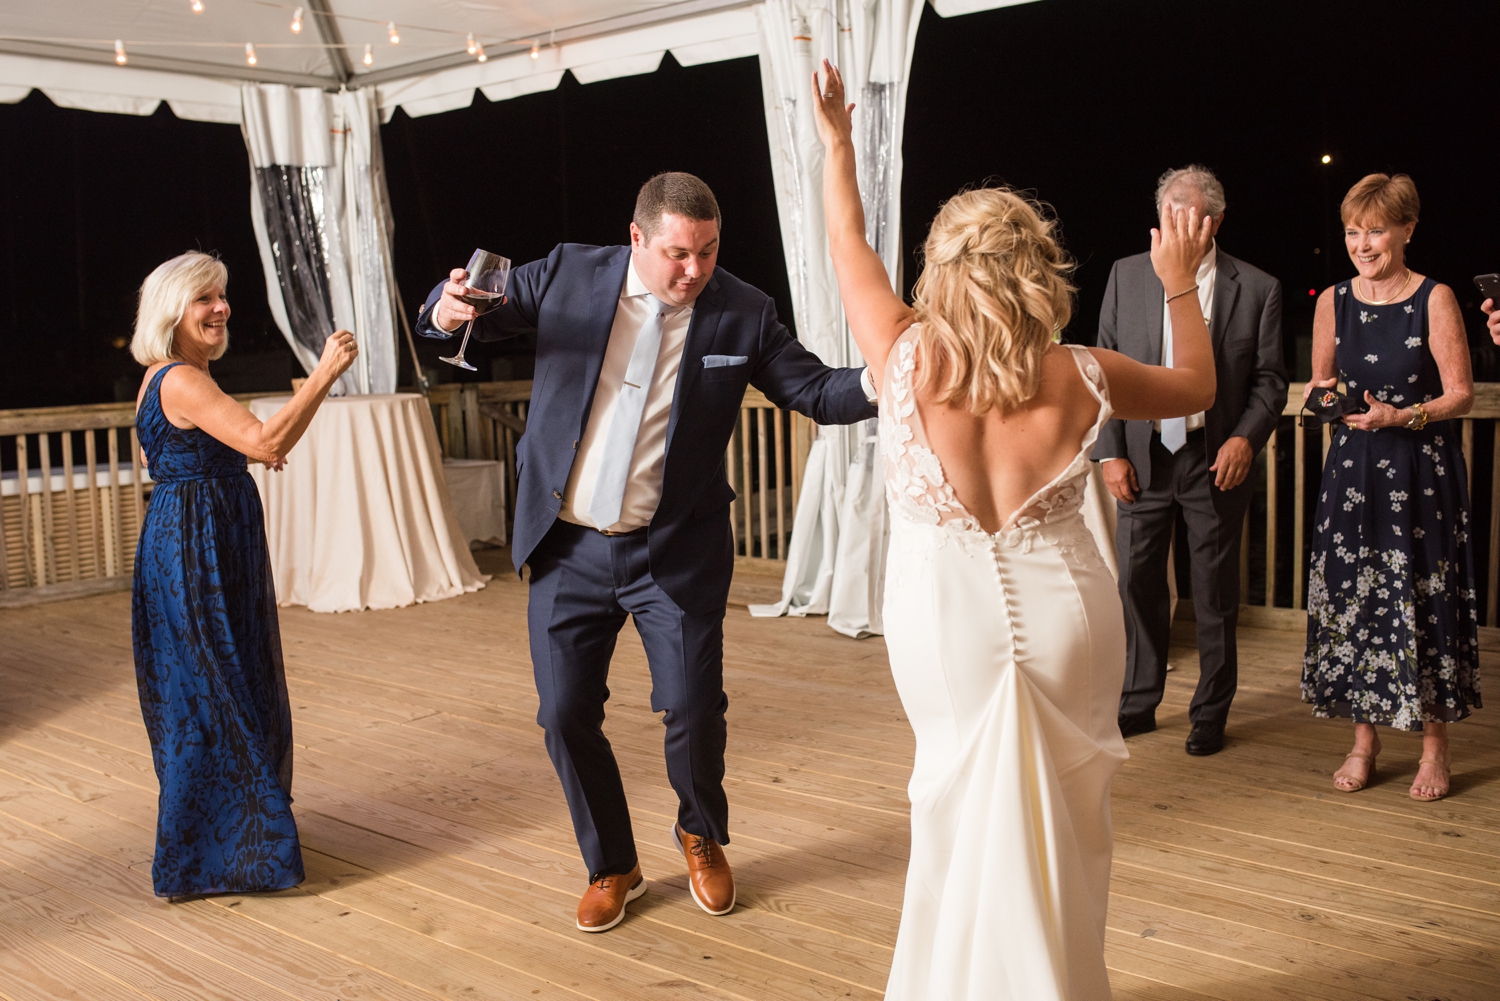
208,666
1392,631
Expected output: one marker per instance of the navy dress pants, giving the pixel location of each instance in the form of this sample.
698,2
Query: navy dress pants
583,585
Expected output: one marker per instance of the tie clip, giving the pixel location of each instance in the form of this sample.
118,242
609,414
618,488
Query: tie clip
630,384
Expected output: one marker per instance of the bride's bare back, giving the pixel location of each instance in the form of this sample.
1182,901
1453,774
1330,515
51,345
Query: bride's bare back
997,462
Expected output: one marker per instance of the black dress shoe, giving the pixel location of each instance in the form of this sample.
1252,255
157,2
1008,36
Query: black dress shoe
1206,738
1132,724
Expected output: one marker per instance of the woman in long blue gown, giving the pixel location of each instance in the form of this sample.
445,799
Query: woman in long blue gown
203,613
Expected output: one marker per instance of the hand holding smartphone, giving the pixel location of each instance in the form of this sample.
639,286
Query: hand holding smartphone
1489,287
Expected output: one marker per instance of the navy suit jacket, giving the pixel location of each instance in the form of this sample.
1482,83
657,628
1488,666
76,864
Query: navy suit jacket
569,300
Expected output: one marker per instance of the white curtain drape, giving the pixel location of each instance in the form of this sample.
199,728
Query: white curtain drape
322,218
836,560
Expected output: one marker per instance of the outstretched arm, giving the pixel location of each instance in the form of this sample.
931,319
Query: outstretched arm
876,314
1153,392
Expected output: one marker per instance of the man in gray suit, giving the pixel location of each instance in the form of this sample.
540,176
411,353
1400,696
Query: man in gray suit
1197,465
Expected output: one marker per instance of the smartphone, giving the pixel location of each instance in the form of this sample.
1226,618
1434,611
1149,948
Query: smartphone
1489,287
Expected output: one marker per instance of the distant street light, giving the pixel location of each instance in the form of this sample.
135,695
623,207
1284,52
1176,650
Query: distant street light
1327,158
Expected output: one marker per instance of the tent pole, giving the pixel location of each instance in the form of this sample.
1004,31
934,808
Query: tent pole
416,363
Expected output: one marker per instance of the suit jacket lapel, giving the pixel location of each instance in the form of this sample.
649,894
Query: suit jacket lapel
700,337
1154,326
1226,291
604,302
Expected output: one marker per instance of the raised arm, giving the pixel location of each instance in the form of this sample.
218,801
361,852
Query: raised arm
1154,392
189,398
877,316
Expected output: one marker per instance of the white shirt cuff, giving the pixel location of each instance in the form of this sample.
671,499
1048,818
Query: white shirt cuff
867,383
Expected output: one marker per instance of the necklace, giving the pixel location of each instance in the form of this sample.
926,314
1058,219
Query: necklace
1381,302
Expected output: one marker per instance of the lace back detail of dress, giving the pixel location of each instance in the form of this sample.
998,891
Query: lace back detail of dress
916,486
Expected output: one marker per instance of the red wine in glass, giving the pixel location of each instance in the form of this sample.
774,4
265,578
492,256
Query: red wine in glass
484,284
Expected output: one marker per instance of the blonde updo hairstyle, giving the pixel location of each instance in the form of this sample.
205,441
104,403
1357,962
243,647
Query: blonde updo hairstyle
165,296
993,293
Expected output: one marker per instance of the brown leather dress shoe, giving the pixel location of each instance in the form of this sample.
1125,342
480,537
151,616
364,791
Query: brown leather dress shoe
603,903
709,878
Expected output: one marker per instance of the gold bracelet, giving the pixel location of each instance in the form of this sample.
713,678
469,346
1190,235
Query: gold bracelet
1184,292
1419,419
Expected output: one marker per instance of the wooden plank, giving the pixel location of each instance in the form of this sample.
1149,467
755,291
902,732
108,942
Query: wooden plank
70,499
747,477
1492,599
115,536
778,419
1272,502
1299,516
91,470
47,557
137,491
33,575
763,472
1466,435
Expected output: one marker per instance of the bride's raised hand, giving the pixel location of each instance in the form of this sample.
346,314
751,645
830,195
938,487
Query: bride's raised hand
1177,248
834,117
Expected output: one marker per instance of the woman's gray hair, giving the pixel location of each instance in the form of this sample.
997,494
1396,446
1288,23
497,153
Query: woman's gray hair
165,295
1200,179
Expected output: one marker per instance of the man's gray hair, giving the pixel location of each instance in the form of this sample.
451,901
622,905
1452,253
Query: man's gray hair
1200,179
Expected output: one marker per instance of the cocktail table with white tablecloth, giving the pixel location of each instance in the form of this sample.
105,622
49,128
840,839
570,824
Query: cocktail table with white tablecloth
361,517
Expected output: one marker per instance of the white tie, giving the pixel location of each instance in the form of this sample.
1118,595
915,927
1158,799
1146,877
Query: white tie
1174,429
625,422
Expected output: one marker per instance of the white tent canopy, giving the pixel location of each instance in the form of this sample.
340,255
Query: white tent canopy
196,61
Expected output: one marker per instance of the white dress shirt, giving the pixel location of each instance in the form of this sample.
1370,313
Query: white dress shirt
643,485
1208,272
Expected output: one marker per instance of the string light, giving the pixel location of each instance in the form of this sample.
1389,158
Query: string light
120,52
482,56
390,29
536,51
1327,158
472,44
369,59
197,6
250,59
297,22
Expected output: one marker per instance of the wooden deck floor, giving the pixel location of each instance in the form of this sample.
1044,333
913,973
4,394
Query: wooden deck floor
440,862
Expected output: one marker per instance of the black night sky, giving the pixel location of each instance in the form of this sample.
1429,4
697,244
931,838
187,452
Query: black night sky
1082,102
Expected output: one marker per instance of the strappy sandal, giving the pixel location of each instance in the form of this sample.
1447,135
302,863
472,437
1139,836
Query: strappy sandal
1447,777
1368,775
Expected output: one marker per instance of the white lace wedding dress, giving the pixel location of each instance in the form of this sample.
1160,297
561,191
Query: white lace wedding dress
1008,651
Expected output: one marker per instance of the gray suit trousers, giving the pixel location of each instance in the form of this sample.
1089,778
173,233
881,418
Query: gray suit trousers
1215,519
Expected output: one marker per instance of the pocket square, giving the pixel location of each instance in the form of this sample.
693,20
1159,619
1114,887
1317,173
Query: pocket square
724,361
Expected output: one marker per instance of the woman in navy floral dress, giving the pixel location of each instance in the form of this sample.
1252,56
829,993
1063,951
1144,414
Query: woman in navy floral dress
207,646
1392,633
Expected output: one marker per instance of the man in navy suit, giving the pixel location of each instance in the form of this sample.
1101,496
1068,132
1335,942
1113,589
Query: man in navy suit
643,356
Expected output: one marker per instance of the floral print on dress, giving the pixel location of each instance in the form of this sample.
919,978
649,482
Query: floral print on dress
1392,633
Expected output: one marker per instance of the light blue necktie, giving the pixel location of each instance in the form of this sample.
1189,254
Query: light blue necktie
1174,429
625,423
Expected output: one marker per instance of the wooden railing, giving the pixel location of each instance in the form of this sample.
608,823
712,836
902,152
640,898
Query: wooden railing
1276,542
765,462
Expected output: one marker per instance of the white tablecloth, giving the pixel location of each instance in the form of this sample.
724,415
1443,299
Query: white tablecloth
477,489
360,517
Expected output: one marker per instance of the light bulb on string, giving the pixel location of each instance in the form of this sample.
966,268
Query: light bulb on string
1327,158
297,22
536,51
250,59
369,59
482,57
472,44
120,52
197,6
390,30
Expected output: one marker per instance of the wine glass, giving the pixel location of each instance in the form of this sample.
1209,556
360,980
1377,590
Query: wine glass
484,280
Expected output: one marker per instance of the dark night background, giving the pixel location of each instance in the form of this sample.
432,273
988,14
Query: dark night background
1081,101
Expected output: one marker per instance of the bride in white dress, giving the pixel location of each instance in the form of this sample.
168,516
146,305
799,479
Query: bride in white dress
1004,627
